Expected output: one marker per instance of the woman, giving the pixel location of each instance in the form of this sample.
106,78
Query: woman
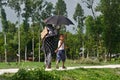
49,43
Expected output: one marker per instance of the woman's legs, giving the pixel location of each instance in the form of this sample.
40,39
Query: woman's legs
49,58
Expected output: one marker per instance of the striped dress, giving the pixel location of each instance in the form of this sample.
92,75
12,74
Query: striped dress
49,44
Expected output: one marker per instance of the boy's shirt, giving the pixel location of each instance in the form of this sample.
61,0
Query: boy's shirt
62,46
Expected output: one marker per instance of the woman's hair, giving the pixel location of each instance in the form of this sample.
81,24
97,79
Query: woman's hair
49,25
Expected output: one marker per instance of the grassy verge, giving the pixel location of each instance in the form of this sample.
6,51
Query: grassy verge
21,65
90,74
78,74
69,63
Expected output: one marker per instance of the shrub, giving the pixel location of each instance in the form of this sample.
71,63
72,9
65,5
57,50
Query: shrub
101,59
89,61
37,74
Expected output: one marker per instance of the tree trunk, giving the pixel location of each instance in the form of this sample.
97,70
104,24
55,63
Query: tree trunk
97,53
19,44
39,45
105,55
5,43
93,13
110,56
87,53
98,44
39,40
19,37
25,53
33,46
83,55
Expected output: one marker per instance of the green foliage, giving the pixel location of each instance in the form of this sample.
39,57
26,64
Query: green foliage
47,12
94,34
78,74
37,74
4,20
73,49
78,16
89,61
110,10
1,43
15,4
60,8
79,13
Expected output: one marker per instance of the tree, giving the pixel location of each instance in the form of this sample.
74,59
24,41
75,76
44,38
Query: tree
12,45
15,5
61,9
94,29
4,27
73,47
110,10
34,9
90,6
79,18
43,10
1,46
26,15
48,11
43,14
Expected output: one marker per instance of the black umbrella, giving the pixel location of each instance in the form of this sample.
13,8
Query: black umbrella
58,20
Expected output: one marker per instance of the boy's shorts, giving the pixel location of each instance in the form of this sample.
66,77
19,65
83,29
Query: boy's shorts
61,55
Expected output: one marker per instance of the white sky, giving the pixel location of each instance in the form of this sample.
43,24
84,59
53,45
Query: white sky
71,4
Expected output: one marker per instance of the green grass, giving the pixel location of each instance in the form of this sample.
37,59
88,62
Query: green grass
78,74
34,64
90,74
69,63
21,65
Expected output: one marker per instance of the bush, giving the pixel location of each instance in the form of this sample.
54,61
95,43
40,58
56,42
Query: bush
101,59
89,61
6,76
37,74
77,74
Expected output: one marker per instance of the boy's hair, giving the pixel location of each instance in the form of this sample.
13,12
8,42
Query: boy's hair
61,35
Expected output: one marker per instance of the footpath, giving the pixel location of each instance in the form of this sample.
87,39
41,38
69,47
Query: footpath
3,71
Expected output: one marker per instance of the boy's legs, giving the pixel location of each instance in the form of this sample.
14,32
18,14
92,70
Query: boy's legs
58,59
61,56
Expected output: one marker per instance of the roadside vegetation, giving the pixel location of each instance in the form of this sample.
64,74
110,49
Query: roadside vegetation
69,63
78,74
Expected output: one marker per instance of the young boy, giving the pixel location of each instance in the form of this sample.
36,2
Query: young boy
60,51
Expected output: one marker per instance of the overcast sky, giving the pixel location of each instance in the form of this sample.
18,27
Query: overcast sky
71,4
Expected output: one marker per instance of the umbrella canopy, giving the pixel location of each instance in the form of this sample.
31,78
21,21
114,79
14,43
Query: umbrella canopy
58,20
